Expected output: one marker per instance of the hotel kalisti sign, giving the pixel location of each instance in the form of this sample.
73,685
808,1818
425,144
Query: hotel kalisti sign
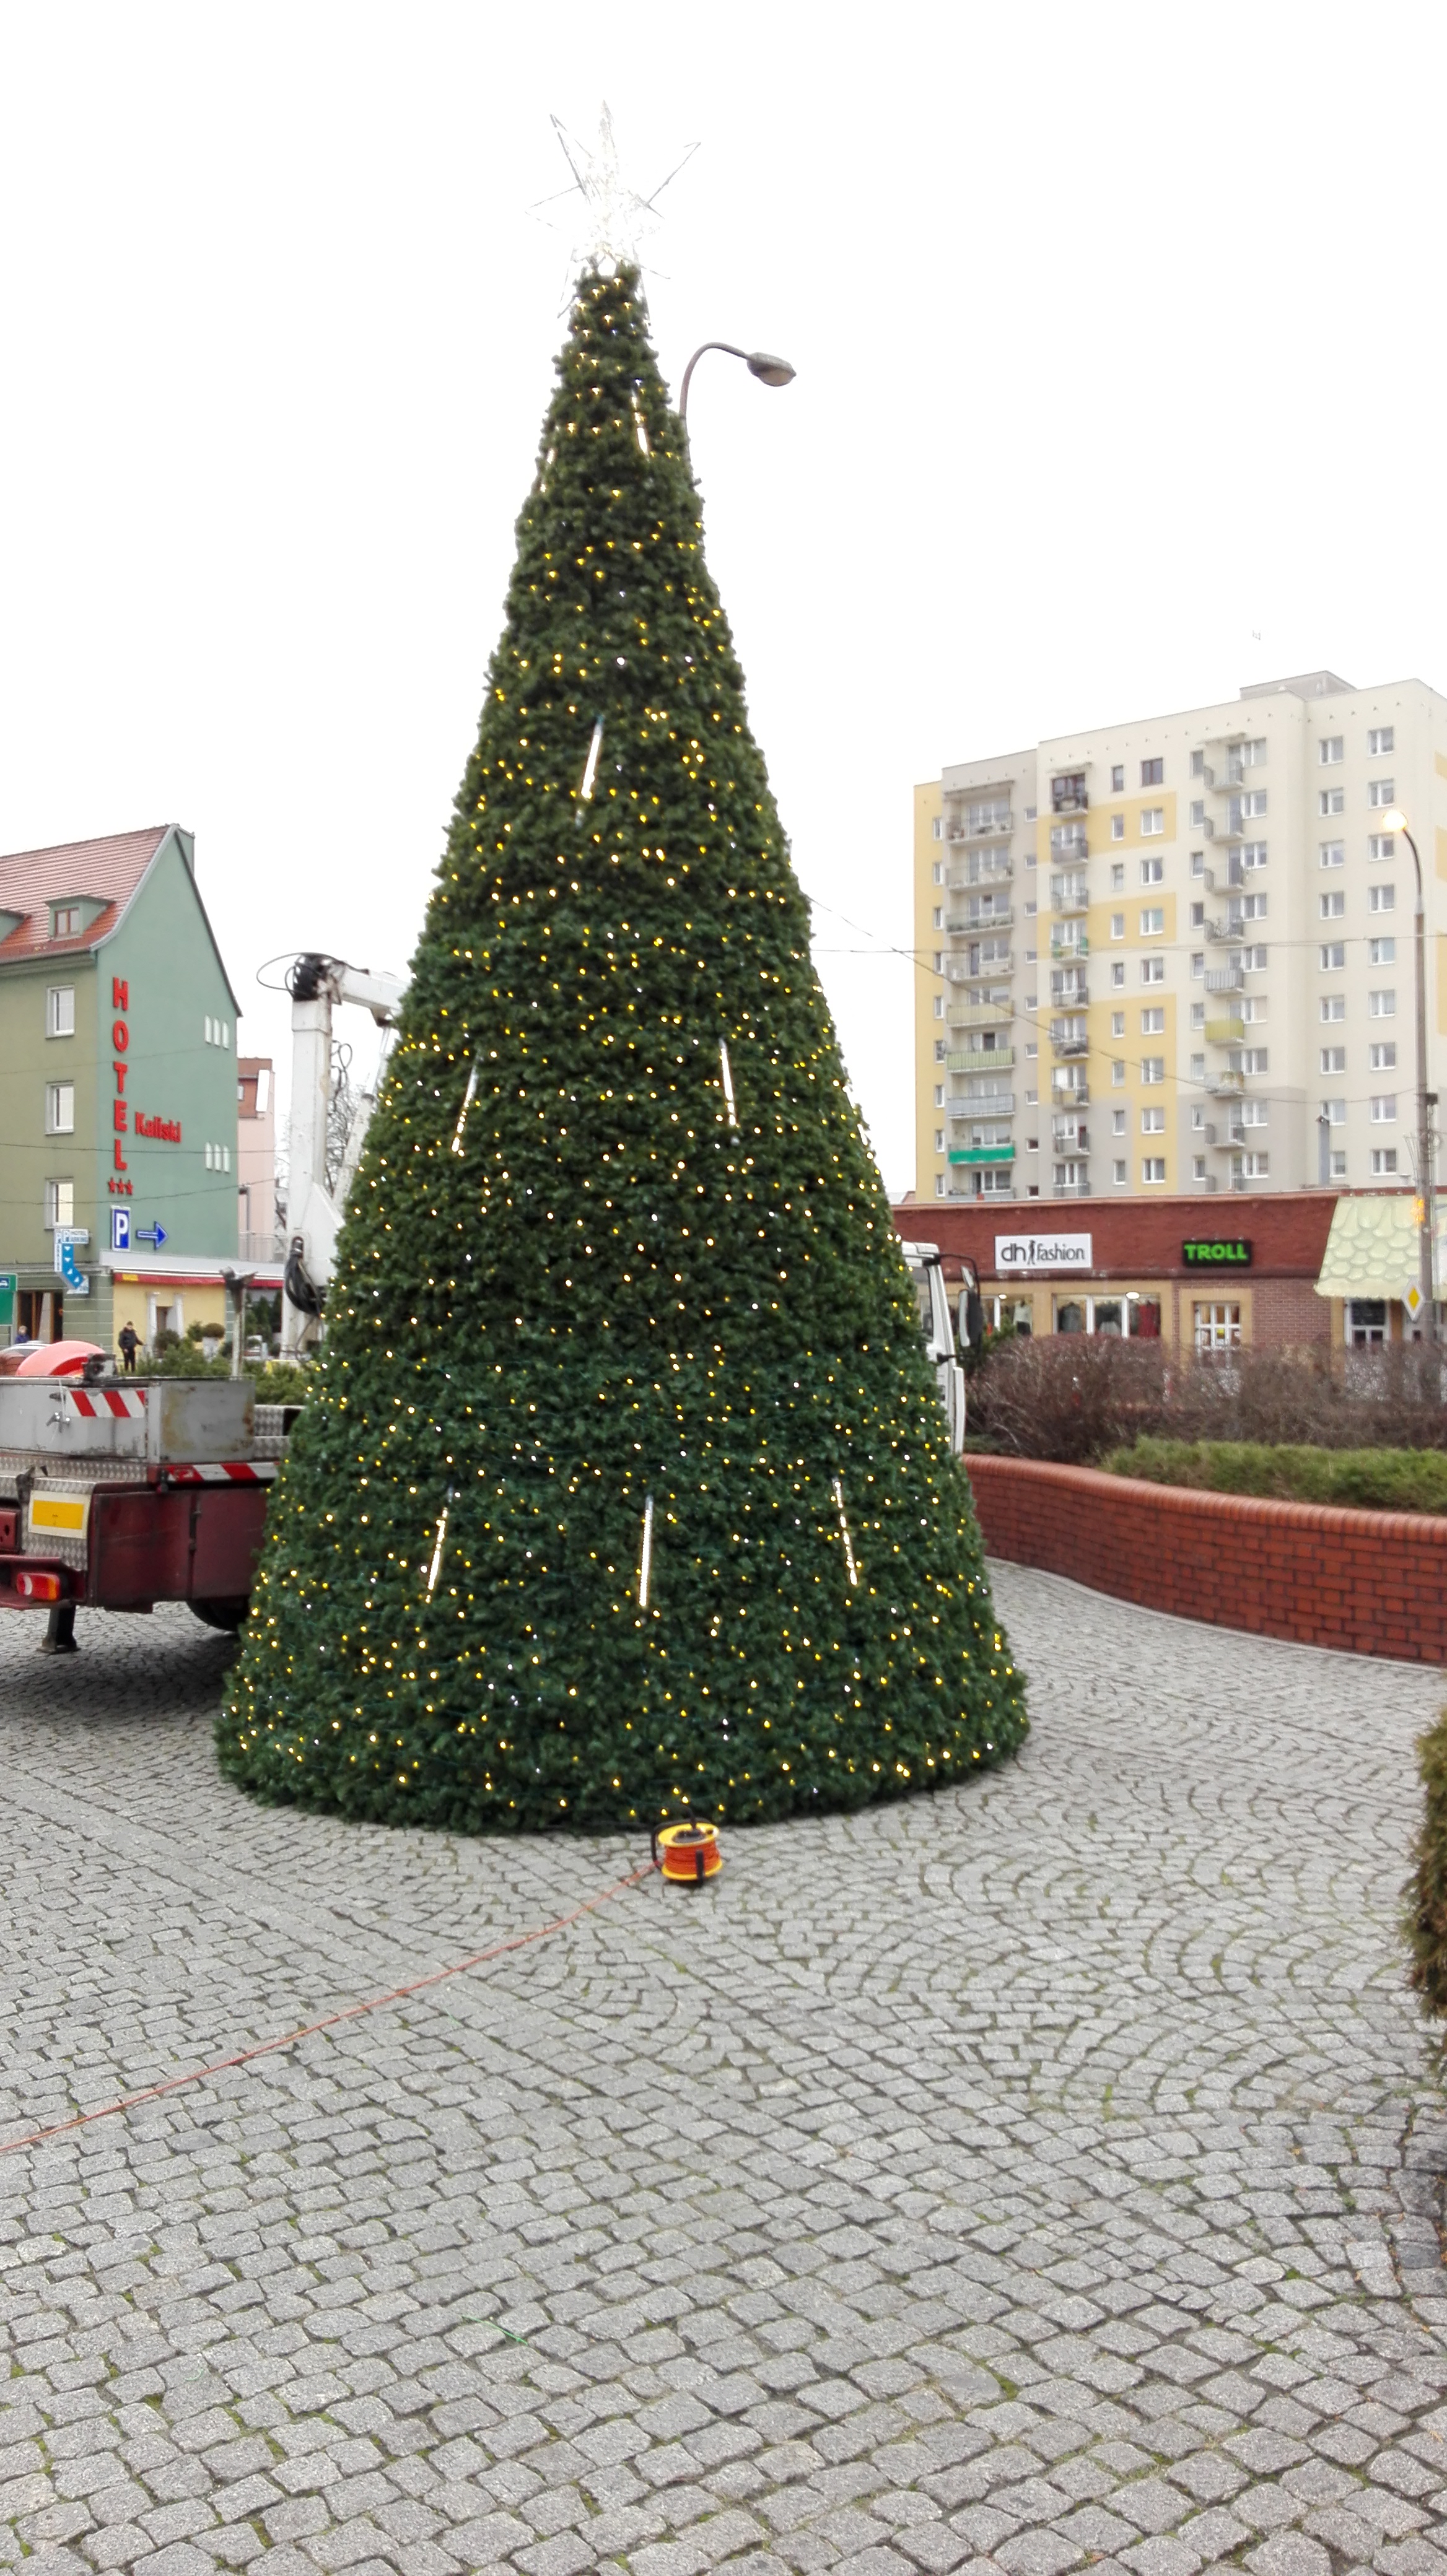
126,1119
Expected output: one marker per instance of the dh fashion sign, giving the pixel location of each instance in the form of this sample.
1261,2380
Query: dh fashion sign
1017,1252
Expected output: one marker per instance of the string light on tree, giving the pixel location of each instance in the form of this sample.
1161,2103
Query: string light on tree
619,1317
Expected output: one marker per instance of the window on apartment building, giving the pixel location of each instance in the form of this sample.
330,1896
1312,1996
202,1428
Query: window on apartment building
1331,906
1117,1075
1153,1022
1337,1163
1255,1113
1198,764
1117,1122
1334,1112
1197,815
65,921
1153,1168
1380,738
1153,920
1153,1122
60,1108
1331,800
1253,960
1250,807
1253,753
1250,1167
938,827
1198,1167
939,1095
1381,898
1332,854
1153,1068
1380,845
1198,963
1117,1024
60,1011
1253,907
1153,820
1253,854
1152,772
1334,1059
939,1185
938,921
1117,779
1118,1175
60,1203
1198,1068
1117,827
1382,1006
1381,952
1333,1006
1198,1118
1198,916
939,1140
941,1050
1198,863
1152,871
1153,970
1253,1005
1381,791
939,1006
1117,925
1384,1162
1117,974
1198,1015
1330,749
1332,956
1117,877
937,873
1256,1060
1383,1107
1382,1056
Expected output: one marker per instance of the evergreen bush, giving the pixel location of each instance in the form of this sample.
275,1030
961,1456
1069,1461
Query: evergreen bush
1383,1480
1426,1910
622,1491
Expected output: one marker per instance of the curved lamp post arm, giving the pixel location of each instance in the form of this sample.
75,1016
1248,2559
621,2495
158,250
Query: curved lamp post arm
770,371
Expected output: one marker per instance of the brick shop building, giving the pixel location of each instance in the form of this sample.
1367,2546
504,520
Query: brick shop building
1203,1274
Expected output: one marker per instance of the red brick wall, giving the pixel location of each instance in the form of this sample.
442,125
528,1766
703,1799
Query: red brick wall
1369,1583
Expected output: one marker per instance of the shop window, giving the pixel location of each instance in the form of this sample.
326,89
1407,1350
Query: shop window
1069,1315
1218,1328
1366,1322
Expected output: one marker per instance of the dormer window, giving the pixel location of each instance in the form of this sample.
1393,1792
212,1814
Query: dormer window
65,921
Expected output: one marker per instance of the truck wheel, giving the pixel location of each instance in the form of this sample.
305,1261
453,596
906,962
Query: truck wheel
221,1614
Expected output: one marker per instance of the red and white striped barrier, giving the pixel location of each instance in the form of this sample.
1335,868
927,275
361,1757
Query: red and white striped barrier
127,1404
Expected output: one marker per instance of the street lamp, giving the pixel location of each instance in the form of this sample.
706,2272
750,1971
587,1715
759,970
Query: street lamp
1394,820
770,371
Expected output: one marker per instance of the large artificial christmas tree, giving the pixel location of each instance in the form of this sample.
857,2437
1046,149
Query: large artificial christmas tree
624,1493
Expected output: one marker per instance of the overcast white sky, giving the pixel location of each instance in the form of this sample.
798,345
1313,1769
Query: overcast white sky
1118,334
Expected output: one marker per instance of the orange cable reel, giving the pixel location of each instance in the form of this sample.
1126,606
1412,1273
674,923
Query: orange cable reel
687,1854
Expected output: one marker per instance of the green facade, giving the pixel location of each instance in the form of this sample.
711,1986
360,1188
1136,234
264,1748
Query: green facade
162,959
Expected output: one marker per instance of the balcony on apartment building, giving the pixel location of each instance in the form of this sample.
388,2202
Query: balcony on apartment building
983,868
1226,979
1068,793
980,916
977,1015
1069,1182
1225,1032
1069,894
1069,943
991,820
1068,988
1068,1037
1228,1085
979,1059
1069,1136
974,1157
1068,845
986,1111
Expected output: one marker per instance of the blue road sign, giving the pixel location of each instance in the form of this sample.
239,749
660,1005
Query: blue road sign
120,1229
155,1235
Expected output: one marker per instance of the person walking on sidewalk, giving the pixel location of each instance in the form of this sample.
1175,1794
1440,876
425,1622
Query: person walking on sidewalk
129,1340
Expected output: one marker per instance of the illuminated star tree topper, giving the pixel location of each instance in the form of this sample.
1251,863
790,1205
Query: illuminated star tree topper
619,219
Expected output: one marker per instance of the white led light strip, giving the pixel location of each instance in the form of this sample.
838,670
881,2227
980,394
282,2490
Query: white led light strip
844,1530
728,1081
645,1561
468,1098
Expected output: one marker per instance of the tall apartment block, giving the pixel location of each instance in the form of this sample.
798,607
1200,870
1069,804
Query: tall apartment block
1177,954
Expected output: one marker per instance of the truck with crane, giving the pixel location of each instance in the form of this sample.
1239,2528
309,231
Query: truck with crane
117,1492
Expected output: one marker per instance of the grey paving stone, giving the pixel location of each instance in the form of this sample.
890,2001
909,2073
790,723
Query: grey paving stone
1045,2173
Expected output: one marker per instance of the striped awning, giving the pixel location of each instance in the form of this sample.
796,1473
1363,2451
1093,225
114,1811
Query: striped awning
1374,1247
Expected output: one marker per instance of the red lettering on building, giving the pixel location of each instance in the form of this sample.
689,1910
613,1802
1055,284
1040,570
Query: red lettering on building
120,1160
120,994
120,1071
120,1037
118,1116
162,1131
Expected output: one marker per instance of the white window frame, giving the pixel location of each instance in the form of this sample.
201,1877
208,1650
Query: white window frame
60,1011
60,1108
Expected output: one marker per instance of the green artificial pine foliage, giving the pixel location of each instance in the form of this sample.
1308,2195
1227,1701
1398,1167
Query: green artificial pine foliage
618,1280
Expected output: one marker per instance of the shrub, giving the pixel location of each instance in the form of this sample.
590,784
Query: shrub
281,1382
1074,1397
1387,1480
1426,1908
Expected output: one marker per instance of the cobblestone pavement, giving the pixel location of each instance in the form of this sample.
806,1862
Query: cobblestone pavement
1041,2174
